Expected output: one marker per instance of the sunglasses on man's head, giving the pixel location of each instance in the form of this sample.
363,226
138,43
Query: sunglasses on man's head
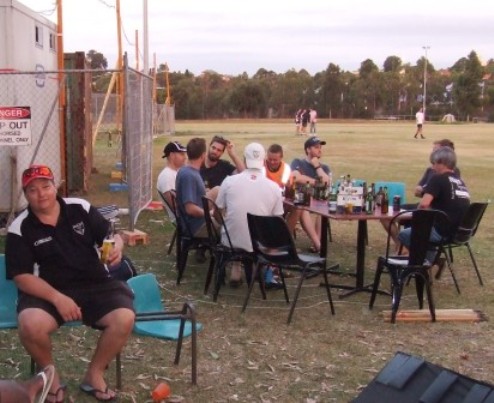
37,171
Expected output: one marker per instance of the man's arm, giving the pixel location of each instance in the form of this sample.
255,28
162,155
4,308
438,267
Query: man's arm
426,201
237,161
193,210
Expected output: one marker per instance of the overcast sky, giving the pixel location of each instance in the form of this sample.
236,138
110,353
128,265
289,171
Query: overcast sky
233,37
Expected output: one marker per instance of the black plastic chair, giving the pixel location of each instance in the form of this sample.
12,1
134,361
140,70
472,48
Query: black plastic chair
170,210
415,265
223,254
273,245
462,237
186,241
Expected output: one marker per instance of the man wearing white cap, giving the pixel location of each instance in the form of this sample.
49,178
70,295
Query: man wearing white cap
236,198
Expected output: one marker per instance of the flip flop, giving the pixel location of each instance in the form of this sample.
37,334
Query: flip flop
88,389
54,395
47,375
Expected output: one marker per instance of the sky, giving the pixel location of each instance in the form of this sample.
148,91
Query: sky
233,37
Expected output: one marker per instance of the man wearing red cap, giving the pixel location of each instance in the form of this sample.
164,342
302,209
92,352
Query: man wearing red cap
52,255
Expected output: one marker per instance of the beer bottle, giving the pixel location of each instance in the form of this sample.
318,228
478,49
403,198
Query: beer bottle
379,196
369,202
307,194
364,196
333,199
290,189
385,201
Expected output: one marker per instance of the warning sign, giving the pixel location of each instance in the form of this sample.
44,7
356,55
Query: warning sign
15,125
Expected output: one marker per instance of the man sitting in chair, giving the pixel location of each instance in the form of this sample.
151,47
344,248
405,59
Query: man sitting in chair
175,154
52,255
248,192
445,191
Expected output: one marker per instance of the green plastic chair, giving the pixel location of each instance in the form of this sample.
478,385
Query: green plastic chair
154,321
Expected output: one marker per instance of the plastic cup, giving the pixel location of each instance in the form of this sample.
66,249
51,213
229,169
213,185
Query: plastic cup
161,392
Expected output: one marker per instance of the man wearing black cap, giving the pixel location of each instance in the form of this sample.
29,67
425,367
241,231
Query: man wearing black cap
309,168
175,154
306,170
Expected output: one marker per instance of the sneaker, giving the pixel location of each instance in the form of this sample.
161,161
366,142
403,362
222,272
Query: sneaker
274,285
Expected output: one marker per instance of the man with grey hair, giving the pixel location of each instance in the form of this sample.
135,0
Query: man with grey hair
446,192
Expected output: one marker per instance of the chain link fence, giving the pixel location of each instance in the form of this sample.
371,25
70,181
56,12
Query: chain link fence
39,141
138,140
34,139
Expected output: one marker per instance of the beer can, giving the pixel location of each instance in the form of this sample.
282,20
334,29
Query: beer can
106,249
396,203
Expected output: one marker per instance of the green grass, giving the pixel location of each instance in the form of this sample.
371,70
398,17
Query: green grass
256,357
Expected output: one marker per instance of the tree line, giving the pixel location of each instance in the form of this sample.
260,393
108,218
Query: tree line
394,91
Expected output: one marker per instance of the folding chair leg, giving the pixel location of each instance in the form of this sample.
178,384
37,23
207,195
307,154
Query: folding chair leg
295,298
328,289
251,285
209,275
430,299
377,280
475,264
397,291
172,242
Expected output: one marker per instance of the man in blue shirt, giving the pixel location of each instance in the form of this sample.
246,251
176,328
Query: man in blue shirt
306,170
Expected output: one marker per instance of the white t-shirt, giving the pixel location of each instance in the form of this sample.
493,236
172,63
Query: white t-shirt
419,117
165,183
248,192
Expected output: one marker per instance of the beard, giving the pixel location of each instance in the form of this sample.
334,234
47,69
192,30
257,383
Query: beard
212,157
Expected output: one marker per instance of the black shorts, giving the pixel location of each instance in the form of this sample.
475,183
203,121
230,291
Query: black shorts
419,125
95,301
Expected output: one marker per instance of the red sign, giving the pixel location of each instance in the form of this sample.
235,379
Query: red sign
15,126
15,112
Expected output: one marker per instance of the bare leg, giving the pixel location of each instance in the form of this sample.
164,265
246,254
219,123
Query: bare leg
117,327
392,230
35,329
311,229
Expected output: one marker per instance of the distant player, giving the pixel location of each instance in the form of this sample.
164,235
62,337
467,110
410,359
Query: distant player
419,117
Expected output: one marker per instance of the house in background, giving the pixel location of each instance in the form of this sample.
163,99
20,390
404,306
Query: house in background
27,55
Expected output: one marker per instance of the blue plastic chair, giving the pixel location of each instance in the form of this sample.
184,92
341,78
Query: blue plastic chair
154,321
8,299
394,189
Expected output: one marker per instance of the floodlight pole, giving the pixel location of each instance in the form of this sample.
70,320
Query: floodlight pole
426,48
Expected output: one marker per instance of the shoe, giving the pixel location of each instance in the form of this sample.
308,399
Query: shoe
56,395
274,285
201,255
88,389
47,375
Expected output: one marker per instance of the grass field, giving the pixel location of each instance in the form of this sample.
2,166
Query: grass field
256,357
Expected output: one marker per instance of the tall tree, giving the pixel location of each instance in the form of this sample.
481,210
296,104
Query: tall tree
96,60
467,90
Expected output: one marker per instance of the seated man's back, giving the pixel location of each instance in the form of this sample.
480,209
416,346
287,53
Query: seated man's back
248,192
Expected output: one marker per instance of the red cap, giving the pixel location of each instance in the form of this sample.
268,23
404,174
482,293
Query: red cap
36,172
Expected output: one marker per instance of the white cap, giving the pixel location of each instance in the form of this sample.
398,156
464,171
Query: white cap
254,155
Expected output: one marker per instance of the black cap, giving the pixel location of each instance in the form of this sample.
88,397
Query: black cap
312,141
173,147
